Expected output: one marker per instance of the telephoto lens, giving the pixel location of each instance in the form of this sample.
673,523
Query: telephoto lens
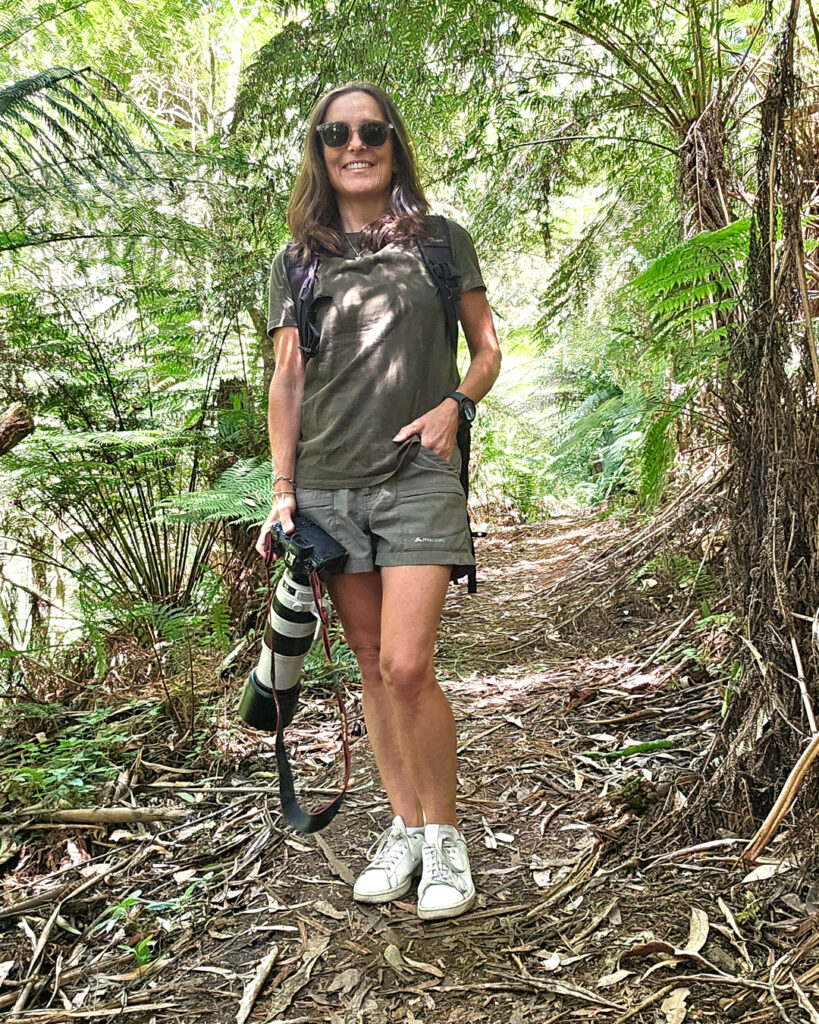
288,634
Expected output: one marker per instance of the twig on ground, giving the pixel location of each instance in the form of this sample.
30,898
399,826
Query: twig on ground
254,986
655,997
804,1001
769,826
712,844
803,688
668,641
108,815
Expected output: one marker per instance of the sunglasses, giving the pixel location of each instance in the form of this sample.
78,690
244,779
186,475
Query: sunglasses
336,134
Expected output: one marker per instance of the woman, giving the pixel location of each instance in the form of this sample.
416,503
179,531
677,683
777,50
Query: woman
364,442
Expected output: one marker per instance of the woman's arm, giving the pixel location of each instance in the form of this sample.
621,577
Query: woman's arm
439,426
284,425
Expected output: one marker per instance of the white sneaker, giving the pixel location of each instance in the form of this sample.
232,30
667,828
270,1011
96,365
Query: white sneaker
395,858
446,888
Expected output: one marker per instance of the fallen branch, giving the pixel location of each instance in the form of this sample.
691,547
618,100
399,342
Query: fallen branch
803,687
254,986
109,815
655,997
769,826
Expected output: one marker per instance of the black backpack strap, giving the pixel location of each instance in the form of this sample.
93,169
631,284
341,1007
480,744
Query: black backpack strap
302,279
436,252
465,448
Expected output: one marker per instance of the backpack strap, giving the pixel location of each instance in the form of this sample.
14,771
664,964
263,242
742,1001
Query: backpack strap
438,259
436,253
302,279
464,440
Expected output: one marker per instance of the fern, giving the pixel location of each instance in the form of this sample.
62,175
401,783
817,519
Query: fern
243,495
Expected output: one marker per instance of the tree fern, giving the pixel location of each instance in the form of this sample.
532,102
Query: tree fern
56,129
243,495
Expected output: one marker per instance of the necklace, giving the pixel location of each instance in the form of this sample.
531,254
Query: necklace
358,253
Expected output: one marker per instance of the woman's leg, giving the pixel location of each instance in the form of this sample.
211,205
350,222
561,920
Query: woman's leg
422,721
357,597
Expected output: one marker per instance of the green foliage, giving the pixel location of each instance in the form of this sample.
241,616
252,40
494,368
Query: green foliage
243,495
69,770
56,131
117,913
692,577
318,672
142,952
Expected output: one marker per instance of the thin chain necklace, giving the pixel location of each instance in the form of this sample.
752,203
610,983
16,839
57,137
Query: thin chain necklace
358,253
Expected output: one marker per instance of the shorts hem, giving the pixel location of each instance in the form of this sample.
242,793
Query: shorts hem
355,565
425,558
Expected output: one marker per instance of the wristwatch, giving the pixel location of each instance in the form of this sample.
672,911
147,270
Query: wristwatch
466,407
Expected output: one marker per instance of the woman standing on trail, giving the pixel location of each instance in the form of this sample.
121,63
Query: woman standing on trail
364,442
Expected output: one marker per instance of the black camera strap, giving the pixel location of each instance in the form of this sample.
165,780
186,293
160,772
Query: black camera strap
301,820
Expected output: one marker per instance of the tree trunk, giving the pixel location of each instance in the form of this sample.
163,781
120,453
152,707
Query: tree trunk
15,424
773,415
703,175
265,344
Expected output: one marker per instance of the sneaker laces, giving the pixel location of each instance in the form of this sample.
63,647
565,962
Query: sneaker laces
439,868
388,849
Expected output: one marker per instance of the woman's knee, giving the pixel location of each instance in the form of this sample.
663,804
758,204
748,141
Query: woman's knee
407,673
367,651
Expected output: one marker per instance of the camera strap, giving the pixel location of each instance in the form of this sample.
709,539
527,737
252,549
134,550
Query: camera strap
301,820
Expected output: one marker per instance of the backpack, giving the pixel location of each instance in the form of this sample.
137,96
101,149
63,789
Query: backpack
436,253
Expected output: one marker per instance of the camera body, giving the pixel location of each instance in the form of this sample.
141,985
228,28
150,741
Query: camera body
307,549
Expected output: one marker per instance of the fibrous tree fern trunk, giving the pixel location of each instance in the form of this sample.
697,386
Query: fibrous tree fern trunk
15,424
703,174
773,416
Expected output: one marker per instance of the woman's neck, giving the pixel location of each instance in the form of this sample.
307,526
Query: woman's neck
355,215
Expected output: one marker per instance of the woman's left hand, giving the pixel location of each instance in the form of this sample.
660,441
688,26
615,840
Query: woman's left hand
437,428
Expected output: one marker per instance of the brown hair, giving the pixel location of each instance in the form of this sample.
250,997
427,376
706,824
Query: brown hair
312,213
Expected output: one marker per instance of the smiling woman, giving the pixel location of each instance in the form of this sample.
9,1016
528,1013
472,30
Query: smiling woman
360,173
364,442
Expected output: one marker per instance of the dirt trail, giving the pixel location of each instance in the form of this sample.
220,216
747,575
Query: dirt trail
571,891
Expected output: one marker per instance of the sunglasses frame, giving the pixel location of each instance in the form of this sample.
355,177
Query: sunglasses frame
349,127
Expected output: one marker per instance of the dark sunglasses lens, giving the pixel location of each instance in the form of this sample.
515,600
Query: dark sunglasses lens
374,133
334,134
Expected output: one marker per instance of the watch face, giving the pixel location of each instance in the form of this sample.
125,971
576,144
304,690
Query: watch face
468,409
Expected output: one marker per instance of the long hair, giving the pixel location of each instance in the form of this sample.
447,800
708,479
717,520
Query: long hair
312,213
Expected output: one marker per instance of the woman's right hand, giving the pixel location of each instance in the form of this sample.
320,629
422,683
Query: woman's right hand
282,512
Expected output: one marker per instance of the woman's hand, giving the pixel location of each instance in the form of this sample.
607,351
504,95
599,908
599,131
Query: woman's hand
283,512
437,428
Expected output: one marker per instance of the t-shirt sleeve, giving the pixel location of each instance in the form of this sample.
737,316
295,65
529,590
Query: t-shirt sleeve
281,310
466,259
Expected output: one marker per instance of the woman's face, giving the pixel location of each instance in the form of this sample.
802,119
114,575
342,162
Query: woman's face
357,171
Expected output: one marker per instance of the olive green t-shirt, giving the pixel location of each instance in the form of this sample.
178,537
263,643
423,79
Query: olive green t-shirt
383,358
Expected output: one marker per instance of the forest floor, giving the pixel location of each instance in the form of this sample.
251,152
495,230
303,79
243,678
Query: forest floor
578,742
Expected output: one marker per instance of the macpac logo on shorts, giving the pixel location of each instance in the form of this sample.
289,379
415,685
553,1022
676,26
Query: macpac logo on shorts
429,540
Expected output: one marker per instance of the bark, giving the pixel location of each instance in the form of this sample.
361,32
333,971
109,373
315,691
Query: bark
703,174
265,344
773,421
15,424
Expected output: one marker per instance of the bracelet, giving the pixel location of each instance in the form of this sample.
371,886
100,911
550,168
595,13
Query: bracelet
280,494
283,477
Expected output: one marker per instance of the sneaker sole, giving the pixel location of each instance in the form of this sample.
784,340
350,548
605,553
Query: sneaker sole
439,913
387,894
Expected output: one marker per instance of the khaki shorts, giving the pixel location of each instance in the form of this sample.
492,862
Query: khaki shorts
417,517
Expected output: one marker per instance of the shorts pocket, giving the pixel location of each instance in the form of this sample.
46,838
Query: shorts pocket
308,497
318,506
429,457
